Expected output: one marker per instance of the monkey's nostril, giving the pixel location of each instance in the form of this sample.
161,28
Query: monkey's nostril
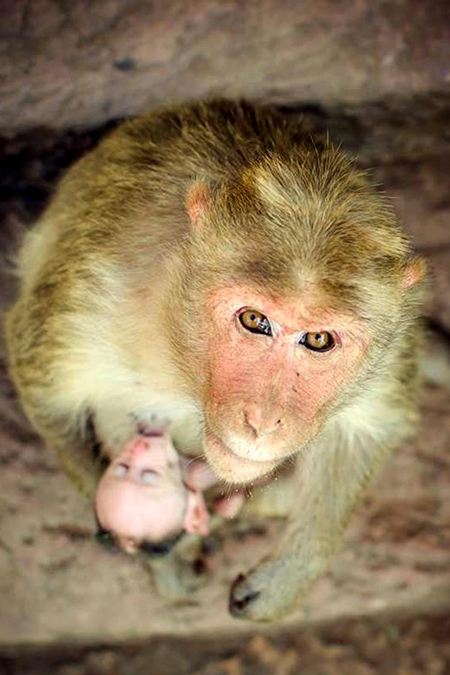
252,423
259,424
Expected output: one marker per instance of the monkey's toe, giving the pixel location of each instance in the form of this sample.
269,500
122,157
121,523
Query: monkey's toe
241,596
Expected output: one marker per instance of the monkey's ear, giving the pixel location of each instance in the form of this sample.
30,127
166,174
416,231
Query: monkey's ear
198,200
415,270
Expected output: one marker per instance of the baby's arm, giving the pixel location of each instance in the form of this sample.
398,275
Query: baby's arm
199,476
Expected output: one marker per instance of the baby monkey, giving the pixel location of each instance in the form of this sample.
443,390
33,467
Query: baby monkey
149,494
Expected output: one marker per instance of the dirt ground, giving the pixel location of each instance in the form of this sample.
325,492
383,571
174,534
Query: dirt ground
69,607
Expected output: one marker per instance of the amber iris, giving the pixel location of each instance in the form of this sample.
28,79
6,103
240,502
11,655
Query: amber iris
255,322
318,342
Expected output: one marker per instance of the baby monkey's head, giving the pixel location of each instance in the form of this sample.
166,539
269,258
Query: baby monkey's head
143,499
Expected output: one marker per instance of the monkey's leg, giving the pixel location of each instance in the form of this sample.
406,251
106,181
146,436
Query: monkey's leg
70,437
332,480
74,444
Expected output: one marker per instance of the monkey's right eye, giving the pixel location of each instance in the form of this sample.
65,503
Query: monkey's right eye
149,477
255,322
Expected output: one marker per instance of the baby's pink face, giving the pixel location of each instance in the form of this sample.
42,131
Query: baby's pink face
142,495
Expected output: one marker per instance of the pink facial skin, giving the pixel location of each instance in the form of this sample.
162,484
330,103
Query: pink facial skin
266,396
145,495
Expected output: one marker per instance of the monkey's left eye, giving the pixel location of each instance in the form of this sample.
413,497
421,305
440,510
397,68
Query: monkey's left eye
318,342
120,470
255,322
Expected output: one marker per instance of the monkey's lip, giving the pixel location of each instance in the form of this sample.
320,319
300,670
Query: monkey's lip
229,466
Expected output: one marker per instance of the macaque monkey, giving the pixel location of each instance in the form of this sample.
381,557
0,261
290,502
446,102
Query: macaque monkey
148,494
217,268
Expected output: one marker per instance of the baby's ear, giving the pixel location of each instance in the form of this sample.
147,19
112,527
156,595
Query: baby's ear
229,507
128,544
196,519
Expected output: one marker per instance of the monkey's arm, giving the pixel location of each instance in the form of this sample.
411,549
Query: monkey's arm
332,476
37,353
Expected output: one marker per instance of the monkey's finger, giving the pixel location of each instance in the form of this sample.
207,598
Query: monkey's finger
241,595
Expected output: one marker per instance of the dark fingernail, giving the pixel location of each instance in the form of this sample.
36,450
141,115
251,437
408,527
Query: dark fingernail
240,597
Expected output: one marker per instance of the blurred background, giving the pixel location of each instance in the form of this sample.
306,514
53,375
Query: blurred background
376,75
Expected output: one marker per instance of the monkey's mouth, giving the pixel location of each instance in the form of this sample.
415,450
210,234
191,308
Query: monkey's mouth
230,467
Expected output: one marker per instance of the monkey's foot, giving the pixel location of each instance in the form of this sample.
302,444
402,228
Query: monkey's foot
266,593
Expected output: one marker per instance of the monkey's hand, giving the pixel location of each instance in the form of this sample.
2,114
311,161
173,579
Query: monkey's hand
334,477
273,588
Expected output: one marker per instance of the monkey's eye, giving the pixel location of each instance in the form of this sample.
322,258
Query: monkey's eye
318,342
255,322
120,470
149,477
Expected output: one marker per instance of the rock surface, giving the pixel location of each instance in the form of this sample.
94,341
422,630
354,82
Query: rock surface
66,64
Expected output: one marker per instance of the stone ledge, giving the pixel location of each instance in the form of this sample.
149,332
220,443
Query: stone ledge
83,63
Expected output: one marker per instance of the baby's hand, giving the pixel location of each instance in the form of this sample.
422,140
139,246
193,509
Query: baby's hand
229,507
199,475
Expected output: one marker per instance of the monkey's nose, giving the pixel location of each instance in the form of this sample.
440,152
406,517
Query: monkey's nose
262,424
